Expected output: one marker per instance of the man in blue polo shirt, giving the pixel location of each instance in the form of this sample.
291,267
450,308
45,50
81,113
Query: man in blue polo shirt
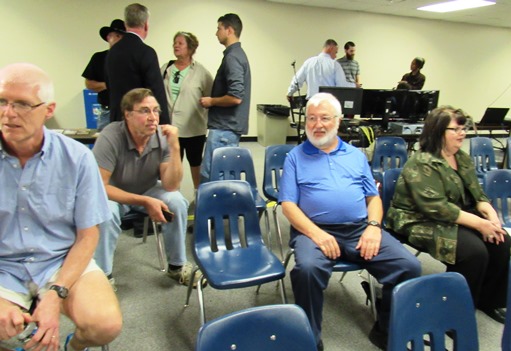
329,196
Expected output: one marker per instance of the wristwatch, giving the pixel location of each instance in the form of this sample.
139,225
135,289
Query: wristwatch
61,291
375,223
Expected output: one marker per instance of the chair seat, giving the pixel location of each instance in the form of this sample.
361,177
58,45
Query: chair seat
258,262
343,266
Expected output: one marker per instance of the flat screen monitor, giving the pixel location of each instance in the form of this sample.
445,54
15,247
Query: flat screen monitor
373,103
422,102
350,98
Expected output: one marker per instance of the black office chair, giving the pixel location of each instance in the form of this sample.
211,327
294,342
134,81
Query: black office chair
298,104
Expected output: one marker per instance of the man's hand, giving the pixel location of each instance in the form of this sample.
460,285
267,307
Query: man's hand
171,133
154,209
328,245
206,102
369,242
12,320
47,317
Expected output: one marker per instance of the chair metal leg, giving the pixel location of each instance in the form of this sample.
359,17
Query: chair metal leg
372,288
342,277
277,228
200,295
190,286
146,229
160,246
283,291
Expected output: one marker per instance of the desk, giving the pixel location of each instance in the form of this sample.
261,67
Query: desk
85,136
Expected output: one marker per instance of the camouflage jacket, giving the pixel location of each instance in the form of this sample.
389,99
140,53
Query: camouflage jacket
427,201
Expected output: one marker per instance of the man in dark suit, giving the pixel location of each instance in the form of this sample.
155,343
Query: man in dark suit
132,64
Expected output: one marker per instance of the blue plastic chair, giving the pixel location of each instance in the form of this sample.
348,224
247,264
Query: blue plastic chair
389,152
274,158
228,256
433,305
506,336
497,186
389,182
345,267
268,328
235,163
483,156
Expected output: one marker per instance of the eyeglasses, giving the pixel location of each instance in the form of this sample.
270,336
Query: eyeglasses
314,119
20,108
176,77
459,130
146,111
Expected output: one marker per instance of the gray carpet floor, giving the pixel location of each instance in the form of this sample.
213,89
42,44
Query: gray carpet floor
155,317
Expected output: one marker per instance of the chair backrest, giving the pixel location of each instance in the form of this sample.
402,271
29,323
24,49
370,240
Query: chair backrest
268,328
432,305
389,152
233,163
506,336
497,186
483,155
390,177
225,216
274,158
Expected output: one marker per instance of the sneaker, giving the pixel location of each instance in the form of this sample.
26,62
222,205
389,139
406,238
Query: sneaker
183,275
68,339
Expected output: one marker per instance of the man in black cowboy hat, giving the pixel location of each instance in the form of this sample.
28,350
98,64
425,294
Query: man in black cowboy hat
133,64
94,73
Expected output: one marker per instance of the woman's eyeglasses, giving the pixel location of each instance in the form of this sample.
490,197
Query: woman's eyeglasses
459,130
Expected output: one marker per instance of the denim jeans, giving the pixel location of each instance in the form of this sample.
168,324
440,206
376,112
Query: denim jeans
103,119
174,233
216,139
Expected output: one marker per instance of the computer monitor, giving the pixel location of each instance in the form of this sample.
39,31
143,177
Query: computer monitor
373,103
350,98
422,102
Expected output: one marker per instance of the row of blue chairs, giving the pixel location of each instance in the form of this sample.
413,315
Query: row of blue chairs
426,311
391,152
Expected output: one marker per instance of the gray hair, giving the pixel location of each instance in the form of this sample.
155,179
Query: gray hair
136,15
33,76
318,98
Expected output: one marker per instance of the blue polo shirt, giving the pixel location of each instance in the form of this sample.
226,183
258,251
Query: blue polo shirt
329,188
42,205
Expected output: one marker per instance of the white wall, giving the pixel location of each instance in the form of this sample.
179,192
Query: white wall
467,63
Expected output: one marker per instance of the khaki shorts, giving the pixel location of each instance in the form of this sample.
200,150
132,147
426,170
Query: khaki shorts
25,300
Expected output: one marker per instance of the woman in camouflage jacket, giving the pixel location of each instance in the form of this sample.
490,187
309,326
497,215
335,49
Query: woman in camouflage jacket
439,206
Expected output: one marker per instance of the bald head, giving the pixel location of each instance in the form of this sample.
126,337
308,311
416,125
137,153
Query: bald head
33,77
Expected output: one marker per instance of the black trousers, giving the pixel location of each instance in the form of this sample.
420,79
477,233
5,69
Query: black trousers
484,265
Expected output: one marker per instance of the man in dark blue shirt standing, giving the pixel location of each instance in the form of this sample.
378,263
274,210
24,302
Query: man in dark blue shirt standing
229,102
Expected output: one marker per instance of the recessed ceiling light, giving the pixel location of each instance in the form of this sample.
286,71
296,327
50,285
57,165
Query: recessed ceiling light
456,5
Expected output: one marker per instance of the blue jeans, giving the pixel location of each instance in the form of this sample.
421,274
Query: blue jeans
216,139
174,233
103,119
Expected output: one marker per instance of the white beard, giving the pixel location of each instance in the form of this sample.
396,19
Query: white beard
324,141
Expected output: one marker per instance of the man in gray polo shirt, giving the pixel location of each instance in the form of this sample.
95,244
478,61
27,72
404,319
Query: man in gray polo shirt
229,102
350,65
132,156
